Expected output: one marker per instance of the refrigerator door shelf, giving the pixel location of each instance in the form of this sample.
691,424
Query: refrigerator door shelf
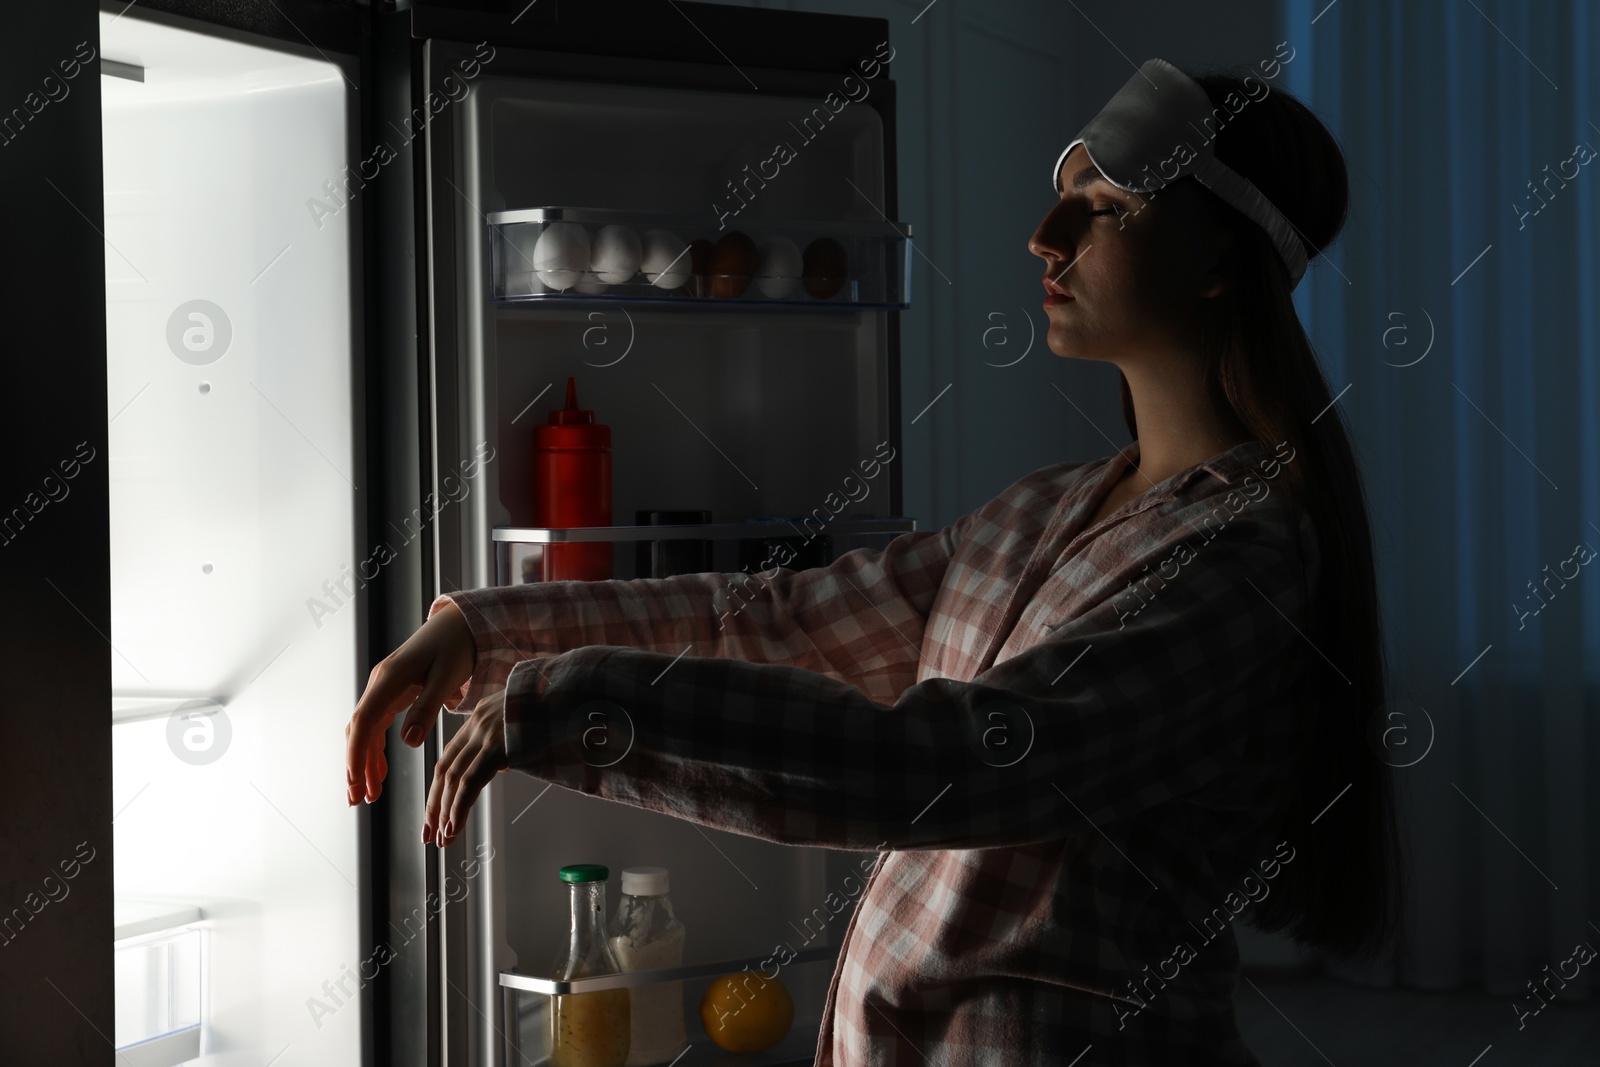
519,550
579,255
724,531
515,979
805,976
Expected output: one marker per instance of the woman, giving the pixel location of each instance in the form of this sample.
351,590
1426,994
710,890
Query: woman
1086,726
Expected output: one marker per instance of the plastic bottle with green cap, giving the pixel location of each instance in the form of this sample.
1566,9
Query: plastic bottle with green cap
588,1029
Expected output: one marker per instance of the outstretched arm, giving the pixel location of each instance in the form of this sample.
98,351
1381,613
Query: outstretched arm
1104,718
857,621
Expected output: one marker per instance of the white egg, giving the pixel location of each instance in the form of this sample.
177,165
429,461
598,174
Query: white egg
666,259
616,253
777,267
562,254
517,245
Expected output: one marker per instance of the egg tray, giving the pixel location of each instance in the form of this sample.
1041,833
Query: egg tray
566,255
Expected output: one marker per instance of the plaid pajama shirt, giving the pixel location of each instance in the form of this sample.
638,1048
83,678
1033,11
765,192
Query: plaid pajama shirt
1067,746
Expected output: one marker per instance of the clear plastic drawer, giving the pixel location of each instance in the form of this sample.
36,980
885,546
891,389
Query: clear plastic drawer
157,965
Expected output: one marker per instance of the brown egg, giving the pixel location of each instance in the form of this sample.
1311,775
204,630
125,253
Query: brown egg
699,266
733,264
825,267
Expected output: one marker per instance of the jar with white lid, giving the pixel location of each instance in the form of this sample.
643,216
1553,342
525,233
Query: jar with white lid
645,935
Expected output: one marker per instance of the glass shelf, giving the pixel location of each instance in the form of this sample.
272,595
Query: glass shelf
126,709
574,256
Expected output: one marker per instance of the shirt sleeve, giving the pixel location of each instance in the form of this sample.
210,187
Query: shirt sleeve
857,621
1106,717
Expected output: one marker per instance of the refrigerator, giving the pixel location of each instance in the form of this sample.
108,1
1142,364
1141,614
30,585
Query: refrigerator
338,308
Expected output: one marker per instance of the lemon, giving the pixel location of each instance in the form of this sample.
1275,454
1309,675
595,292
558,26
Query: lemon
747,1011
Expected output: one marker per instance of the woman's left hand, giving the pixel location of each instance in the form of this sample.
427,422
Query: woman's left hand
471,759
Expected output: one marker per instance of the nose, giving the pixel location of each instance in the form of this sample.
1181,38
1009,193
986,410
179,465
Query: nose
1054,240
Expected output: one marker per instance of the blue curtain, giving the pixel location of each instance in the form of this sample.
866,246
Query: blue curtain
1460,309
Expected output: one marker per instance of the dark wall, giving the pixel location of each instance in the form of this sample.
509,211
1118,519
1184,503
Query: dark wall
987,94
55,657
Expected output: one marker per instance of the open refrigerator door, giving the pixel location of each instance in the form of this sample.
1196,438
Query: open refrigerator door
233,334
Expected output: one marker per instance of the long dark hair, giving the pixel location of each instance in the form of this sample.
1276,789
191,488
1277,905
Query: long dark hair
1344,894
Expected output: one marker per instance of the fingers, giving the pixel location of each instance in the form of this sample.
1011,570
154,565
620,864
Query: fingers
388,692
414,731
422,674
433,823
469,784
471,760
377,771
425,712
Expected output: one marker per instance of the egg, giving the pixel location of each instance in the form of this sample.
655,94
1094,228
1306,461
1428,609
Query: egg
733,261
562,254
616,253
777,267
699,266
825,267
665,259
517,245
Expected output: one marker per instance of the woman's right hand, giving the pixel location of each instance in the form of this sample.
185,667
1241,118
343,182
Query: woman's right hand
423,674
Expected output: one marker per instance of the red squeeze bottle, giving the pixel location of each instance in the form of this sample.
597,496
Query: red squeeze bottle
572,487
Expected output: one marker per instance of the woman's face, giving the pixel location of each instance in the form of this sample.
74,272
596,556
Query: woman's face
1138,267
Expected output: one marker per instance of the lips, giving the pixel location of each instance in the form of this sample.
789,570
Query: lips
1055,295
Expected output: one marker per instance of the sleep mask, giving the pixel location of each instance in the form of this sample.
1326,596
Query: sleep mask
1143,139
